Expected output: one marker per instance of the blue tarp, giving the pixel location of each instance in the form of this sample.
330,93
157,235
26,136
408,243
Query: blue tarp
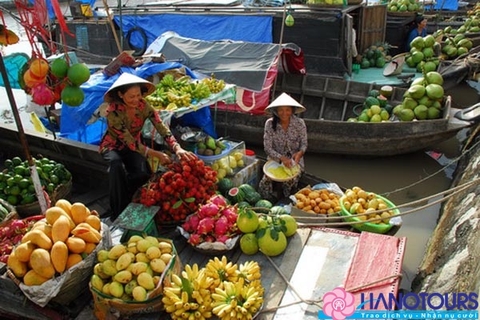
201,27
444,5
13,64
74,124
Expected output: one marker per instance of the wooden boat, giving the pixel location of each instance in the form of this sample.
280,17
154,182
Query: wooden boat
329,103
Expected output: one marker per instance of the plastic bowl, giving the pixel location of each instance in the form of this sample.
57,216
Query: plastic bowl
273,164
225,152
368,226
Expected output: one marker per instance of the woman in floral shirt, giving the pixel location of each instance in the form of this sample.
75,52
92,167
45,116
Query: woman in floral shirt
285,141
121,145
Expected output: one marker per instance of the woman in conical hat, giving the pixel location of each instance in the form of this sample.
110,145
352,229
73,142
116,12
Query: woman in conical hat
285,141
122,144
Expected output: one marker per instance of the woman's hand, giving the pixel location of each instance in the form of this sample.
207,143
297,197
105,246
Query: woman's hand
163,158
297,156
286,161
183,154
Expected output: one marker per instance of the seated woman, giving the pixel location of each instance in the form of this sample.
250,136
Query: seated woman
418,28
121,144
285,141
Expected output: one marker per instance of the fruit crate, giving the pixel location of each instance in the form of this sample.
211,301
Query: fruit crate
229,160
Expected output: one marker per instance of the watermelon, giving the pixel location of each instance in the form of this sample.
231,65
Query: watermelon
278,210
224,185
263,204
246,188
243,204
235,195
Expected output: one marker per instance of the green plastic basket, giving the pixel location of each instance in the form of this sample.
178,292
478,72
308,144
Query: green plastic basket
368,226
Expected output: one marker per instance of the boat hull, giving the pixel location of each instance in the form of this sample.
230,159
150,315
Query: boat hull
330,103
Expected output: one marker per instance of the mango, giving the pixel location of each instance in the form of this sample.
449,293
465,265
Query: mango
166,257
165,247
123,277
124,261
41,263
38,238
134,239
106,289
153,253
141,257
61,229
79,212
116,289
102,255
32,278
53,213
97,282
132,247
18,267
59,256
139,293
146,281
94,222
89,247
65,205
45,228
116,251
152,240
75,245
24,250
130,286
109,267
139,267
98,270
158,265
73,259
156,280
143,245
87,233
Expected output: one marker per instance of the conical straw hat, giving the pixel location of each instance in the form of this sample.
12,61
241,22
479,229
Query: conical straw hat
284,100
128,78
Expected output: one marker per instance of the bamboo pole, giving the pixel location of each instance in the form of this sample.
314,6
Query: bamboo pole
110,22
23,140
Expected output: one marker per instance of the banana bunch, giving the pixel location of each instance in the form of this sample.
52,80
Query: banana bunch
198,91
189,296
214,84
222,288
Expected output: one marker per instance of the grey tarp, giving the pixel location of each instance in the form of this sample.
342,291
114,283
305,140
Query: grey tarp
244,64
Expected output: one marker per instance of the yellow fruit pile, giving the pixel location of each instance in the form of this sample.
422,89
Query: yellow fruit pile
68,233
320,201
358,201
132,271
222,288
226,166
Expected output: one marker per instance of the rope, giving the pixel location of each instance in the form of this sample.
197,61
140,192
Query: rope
318,302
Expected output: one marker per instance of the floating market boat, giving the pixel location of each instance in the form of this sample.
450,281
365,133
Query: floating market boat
330,103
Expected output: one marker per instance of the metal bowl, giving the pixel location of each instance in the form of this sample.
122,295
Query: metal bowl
192,137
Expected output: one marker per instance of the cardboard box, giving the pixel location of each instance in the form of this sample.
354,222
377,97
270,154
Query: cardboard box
250,174
123,59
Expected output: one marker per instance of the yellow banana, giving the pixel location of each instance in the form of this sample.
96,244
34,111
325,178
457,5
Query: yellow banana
176,280
184,296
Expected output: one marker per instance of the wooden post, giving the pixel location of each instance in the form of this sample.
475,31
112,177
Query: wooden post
110,21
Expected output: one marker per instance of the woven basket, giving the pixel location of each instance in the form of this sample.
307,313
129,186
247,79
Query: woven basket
62,191
107,307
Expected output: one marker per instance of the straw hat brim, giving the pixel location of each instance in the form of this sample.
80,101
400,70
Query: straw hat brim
128,79
284,100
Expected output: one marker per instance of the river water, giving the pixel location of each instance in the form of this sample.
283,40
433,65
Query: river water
402,179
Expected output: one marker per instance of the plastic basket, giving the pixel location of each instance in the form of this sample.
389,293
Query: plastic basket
368,226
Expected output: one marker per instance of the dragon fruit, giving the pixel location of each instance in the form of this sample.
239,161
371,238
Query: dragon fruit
209,238
221,226
191,223
195,239
206,225
223,238
231,213
218,200
208,210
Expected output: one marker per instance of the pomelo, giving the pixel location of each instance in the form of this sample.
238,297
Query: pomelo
78,73
290,224
434,91
406,114
72,95
433,113
421,112
247,220
272,242
416,91
249,243
59,68
434,77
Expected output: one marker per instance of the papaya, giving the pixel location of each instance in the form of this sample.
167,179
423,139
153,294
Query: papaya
76,245
61,229
32,278
38,238
59,256
41,263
